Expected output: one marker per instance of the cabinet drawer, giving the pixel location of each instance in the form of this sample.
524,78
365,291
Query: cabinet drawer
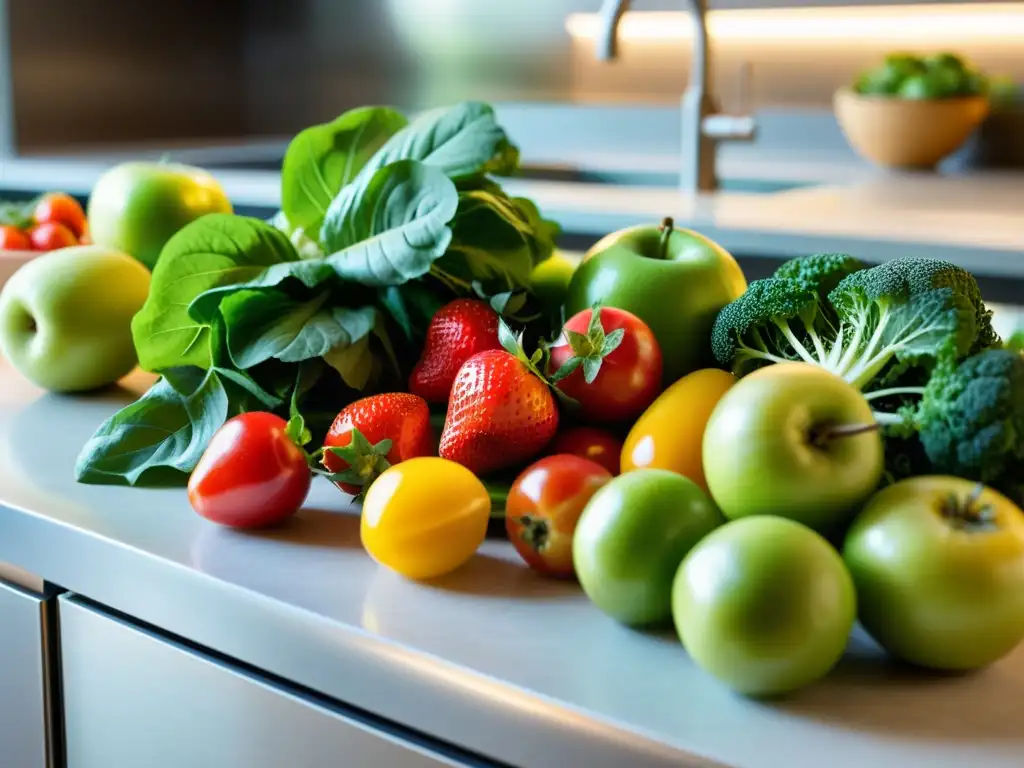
24,698
134,698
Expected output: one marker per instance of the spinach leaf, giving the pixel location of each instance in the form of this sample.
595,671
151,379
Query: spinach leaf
264,324
411,306
217,249
463,141
162,433
494,242
323,158
396,229
359,364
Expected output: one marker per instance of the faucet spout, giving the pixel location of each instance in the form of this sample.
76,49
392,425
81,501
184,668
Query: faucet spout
608,34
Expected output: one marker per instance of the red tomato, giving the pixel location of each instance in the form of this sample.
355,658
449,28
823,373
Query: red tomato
592,443
543,505
628,376
252,474
51,236
13,239
62,209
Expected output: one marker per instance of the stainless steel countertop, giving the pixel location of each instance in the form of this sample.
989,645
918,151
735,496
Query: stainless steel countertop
493,658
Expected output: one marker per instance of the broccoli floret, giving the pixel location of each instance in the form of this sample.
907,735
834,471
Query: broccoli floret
971,420
767,324
821,272
874,325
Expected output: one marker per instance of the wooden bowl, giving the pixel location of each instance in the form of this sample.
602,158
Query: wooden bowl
11,261
907,133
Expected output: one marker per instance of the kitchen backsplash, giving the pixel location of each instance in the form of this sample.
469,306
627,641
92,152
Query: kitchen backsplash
196,70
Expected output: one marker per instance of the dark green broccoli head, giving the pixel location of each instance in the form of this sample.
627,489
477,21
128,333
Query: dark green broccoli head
749,332
820,272
971,419
901,279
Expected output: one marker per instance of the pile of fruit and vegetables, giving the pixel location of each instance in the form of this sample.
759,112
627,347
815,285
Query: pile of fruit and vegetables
760,465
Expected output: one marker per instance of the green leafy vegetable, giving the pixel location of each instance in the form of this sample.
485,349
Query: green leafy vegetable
262,324
381,224
324,158
167,429
217,249
396,229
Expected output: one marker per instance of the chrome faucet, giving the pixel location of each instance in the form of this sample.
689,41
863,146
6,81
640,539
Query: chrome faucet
703,124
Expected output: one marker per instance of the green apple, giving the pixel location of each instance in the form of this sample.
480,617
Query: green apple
550,279
65,317
796,441
675,280
136,207
631,538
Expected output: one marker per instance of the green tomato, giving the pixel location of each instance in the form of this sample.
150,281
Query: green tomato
632,536
136,207
940,572
776,445
765,605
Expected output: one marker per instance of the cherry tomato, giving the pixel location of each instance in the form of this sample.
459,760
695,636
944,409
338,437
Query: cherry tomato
612,381
14,239
425,517
543,505
599,446
63,209
252,474
51,236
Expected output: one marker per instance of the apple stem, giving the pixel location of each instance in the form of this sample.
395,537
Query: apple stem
824,436
967,514
667,228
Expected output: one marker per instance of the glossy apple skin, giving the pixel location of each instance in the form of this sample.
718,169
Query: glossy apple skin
765,605
65,317
933,591
136,207
678,297
759,458
631,538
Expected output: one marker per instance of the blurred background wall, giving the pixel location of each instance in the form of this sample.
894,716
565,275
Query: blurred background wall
100,72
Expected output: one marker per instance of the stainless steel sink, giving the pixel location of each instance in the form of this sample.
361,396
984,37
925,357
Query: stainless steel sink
655,179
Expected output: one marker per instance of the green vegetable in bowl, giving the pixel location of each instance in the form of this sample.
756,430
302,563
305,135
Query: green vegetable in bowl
383,220
935,76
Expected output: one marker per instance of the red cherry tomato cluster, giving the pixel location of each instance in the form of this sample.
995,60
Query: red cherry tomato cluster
55,220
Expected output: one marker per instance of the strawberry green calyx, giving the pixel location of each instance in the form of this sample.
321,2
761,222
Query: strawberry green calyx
365,462
589,349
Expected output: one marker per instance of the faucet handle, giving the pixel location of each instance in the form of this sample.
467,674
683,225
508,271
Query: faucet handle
746,88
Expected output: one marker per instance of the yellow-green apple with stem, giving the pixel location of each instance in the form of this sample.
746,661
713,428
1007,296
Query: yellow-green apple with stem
65,317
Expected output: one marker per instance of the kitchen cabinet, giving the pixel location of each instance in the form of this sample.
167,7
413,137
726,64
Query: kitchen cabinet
25,723
133,697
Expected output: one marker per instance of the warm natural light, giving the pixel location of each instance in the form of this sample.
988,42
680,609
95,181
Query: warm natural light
913,24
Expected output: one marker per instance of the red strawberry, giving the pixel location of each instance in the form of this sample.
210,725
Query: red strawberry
371,434
501,413
457,331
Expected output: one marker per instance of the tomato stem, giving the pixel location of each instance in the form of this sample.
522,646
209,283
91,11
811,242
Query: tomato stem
667,228
536,531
